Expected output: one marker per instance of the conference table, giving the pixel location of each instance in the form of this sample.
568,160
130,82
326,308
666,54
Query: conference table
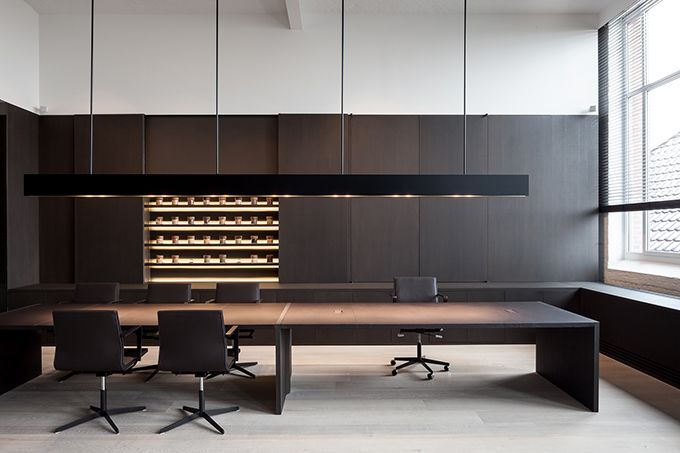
567,344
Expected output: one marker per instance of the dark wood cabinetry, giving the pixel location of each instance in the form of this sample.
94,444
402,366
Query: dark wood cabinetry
384,241
309,144
384,144
551,235
56,214
249,144
314,240
109,233
21,228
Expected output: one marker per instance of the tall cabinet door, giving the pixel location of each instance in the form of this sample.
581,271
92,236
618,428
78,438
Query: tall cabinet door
384,231
313,232
109,232
56,213
453,231
551,235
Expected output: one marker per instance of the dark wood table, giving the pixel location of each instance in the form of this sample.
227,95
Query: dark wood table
567,345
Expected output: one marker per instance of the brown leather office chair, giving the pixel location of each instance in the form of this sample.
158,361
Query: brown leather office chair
92,342
95,293
229,293
168,293
418,289
202,352
163,293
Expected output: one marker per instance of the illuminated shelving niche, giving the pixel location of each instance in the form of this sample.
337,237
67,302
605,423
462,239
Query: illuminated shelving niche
212,239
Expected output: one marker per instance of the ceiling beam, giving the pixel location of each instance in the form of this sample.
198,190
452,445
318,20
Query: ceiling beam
294,9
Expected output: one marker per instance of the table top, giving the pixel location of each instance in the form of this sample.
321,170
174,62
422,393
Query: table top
412,315
404,315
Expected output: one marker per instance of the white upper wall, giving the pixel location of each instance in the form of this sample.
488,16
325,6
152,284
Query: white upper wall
395,63
19,54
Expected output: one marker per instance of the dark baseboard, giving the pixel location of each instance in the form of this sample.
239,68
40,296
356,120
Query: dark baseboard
660,372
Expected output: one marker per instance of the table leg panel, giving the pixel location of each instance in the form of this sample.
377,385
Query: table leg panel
283,340
20,357
569,358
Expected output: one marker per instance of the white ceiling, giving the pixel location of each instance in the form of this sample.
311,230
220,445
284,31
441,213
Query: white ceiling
311,6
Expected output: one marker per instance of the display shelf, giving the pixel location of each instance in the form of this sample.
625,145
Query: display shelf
189,263
211,266
212,247
215,243
214,279
203,227
198,205
204,208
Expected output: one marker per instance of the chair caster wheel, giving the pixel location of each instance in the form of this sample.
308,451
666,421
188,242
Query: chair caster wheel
394,372
446,368
429,376
393,362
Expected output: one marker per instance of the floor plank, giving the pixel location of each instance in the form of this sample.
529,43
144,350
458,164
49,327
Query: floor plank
344,398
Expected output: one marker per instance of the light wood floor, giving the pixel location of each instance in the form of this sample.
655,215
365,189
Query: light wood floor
344,399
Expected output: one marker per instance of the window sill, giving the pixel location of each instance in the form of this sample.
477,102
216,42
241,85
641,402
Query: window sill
670,270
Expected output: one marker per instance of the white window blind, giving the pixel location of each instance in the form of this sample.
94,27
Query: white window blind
639,60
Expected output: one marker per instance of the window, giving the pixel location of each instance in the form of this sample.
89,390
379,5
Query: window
641,158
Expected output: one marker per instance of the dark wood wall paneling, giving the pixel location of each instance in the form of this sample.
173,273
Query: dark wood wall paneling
57,262
109,232
551,235
314,232
543,237
310,144
249,144
384,231
22,212
180,144
453,231
186,144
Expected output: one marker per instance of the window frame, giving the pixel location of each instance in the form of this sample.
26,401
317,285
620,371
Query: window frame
644,90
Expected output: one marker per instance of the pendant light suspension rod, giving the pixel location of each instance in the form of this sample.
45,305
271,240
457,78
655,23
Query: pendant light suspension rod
342,88
217,87
91,84
465,5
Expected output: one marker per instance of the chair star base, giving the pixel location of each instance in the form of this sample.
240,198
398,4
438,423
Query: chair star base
200,412
419,359
409,361
101,412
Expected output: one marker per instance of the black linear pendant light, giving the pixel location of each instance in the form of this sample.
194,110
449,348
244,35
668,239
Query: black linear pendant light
339,185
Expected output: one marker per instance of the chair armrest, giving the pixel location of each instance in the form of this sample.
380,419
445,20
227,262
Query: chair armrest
192,300
129,331
443,297
232,330
140,301
210,301
117,301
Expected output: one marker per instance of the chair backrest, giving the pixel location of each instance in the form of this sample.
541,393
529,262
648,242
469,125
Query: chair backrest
88,341
96,293
168,293
192,341
415,289
237,292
